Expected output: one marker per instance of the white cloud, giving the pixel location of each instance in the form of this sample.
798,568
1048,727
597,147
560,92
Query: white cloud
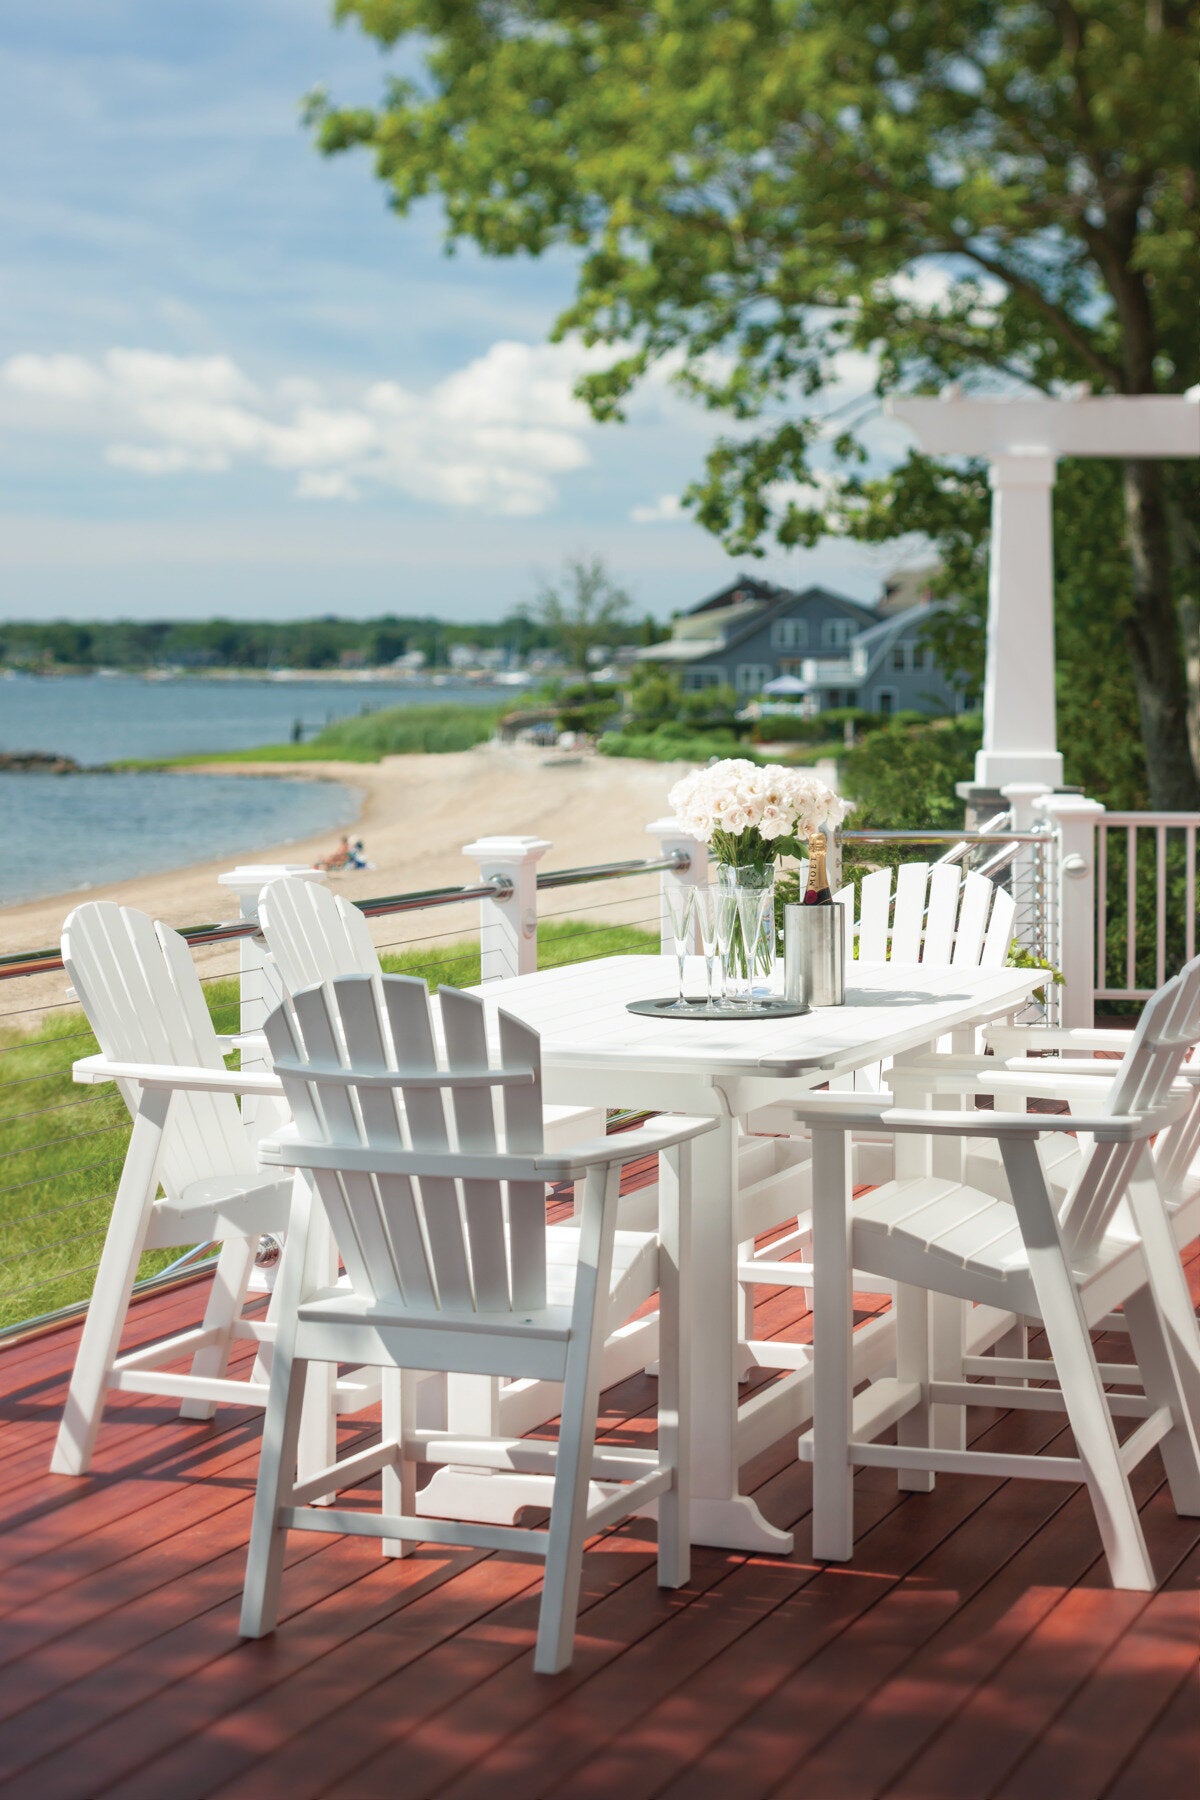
664,511
495,435
315,485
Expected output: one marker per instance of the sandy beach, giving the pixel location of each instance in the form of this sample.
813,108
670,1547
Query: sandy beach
414,815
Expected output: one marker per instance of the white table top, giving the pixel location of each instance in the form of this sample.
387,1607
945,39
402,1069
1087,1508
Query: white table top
579,1010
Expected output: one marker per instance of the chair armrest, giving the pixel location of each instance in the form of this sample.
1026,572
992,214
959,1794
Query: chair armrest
287,1148
92,1069
241,1040
987,1068
622,1146
847,1113
1049,1080
1016,1040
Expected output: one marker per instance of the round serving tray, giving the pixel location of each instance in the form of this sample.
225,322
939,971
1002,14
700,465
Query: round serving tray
699,1009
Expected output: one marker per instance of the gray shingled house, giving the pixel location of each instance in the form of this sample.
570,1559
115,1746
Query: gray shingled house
751,632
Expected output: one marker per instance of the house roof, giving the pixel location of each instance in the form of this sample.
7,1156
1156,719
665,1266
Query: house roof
766,605
880,637
745,589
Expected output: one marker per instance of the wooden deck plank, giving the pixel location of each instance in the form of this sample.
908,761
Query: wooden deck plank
1152,1772
973,1629
748,1716
1114,1710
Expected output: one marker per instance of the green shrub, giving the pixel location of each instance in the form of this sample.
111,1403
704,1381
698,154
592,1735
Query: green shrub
368,736
825,728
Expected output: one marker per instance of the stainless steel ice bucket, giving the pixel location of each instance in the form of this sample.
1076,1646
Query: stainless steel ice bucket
814,955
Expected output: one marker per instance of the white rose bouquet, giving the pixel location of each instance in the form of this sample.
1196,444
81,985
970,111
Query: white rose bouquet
750,813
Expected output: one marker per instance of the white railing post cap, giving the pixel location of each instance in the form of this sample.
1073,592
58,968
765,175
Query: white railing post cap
1069,806
251,878
507,849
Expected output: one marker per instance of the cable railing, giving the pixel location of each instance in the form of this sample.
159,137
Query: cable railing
62,1146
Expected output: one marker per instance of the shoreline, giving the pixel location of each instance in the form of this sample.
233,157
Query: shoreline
414,814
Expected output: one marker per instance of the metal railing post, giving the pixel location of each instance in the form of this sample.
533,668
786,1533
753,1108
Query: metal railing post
1074,820
508,918
677,843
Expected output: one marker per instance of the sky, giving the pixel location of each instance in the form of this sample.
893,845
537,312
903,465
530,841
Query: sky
231,381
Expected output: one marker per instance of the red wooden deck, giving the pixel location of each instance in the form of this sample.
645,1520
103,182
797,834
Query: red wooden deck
972,1648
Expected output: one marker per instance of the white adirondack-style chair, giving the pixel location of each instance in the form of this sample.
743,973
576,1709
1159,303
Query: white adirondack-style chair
938,916
313,936
1063,1262
429,1162
1073,1066
143,999
1082,1055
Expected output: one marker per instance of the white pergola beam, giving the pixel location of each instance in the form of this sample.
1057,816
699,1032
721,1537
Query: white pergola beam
1023,440
1101,425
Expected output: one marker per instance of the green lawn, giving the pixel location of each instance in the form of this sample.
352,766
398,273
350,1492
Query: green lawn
62,1146
364,737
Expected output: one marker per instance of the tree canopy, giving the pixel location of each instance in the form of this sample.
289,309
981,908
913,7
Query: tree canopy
584,610
764,193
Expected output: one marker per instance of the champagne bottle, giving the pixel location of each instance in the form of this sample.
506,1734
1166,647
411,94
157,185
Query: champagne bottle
817,892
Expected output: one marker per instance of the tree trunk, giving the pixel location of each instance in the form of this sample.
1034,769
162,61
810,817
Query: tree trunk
1155,649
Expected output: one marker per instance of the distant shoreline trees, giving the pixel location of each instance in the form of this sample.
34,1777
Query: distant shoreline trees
199,645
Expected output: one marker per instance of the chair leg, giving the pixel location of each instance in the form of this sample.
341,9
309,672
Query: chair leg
674,1369
1014,1343
277,1460
226,1299
399,1479
1091,1423
105,1319
1160,1379
577,1428
915,1428
281,1431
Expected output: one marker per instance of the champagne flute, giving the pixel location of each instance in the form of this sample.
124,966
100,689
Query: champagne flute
753,907
681,902
711,904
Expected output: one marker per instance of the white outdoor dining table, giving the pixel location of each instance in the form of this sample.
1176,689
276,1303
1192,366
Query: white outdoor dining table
596,1053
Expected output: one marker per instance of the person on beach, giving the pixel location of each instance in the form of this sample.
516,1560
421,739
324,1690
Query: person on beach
341,858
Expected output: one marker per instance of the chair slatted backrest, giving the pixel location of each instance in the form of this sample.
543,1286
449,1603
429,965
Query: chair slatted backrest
432,1240
314,935
138,985
1178,1151
937,915
1164,1033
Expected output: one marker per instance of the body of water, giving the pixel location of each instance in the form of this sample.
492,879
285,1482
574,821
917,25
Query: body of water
59,832
100,719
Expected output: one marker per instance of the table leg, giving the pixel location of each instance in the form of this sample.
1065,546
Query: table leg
719,1513
833,1331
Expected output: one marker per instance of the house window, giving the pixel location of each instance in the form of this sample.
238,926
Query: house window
789,634
702,678
900,656
885,701
836,633
752,677
922,656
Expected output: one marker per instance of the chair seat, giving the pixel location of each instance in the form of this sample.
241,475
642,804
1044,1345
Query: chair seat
964,1228
215,1208
634,1281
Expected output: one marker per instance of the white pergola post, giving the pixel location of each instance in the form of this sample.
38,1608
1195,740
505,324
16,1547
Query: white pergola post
1020,741
1023,440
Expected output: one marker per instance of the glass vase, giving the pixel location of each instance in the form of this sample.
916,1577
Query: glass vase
750,976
